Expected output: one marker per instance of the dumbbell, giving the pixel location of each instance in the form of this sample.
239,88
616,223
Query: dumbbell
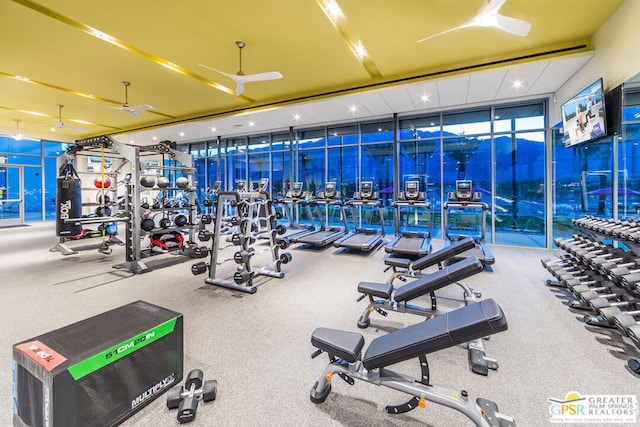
242,257
283,243
204,235
280,229
206,219
607,315
186,399
239,239
199,268
200,251
285,258
584,299
243,276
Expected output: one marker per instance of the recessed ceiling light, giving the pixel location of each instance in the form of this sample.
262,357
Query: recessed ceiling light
155,138
353,108
497,117
517,84
181,133
131,141
424,98
252,123
379,129
432,124
213,129
296,116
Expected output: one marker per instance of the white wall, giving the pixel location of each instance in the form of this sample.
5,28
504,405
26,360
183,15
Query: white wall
616,58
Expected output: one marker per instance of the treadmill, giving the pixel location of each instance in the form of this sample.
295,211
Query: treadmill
465,199
410,244
326,234
364,239
292,198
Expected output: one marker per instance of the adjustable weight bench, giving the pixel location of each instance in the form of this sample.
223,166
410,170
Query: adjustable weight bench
404,267
456,327
427,285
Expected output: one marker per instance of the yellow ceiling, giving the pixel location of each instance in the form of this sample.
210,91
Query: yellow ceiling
51,43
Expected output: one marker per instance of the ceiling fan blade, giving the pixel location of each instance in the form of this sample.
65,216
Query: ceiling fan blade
459,27
141,107
514,26
61,125
135,113
231,76
239,88
271,75
491,8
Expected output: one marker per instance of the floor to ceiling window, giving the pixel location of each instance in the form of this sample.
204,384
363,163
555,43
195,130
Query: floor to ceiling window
501,149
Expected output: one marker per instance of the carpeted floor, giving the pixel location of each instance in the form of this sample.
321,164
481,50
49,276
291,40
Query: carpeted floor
258,346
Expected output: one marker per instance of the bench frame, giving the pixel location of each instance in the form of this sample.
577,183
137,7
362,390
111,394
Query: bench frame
482,412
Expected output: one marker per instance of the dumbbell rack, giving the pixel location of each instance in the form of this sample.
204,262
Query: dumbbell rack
601,236
243,210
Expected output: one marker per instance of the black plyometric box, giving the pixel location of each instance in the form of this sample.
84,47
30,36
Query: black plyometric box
99,371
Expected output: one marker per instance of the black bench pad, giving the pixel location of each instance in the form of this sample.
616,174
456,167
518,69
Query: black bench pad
381,290
397,262
456,327
342,344
441,278
444,253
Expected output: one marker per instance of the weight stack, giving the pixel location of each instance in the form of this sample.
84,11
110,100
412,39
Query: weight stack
99,371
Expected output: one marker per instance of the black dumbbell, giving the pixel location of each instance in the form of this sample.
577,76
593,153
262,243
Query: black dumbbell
200,251
241,257
206,219
239,239
283,243
286,258
186,399
204,235
242,276
280,229
199,268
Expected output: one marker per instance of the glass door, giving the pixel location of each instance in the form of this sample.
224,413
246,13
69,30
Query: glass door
11,200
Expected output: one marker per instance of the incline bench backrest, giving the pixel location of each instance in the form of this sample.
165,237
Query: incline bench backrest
465,324
445,253
441,278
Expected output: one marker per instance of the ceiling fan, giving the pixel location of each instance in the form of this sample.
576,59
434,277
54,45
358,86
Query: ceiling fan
60,125
242,78
132,109
488,16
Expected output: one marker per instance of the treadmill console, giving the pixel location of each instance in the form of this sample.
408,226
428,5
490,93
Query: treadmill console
411,190
296,191
463,189
216,187
366,190
263,184
330,190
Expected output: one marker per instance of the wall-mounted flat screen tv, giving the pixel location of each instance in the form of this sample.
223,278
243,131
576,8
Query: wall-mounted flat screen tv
584,117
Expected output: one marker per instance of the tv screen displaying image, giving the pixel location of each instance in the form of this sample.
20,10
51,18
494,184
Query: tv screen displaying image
583,116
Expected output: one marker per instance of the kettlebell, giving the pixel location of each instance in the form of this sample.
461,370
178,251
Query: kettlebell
165,222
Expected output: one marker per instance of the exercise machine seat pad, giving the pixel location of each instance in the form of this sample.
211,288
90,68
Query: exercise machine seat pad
345,345
439,279
465,324
445,253
380,290
397,262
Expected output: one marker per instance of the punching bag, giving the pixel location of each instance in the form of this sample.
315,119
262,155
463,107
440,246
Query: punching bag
68,202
